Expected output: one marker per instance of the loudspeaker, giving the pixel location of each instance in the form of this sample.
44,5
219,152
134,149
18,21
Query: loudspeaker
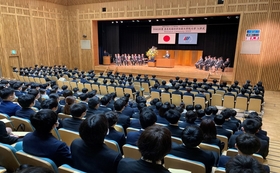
220,1
104,9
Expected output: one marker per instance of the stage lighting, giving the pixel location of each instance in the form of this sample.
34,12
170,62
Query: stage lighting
133,21
150,20
117,22
228,17
157,20
237,17
178,19
112,22
121,21
137,20
205,18
163,19
191,19
183,19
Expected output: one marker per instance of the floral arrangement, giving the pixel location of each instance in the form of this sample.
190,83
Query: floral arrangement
151,53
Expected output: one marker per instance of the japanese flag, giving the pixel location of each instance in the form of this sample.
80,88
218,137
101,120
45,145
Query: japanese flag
166,38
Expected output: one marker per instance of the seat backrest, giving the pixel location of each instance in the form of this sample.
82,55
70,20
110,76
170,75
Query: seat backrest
111,89
220,170
210,147
137,83
176,140
119,128
199,100
113,145
221,92
146,87
55,133
207,96
228,101
73,84
62,116
176,99
24,123
232,152
216,100
8,157
241,103
31,79
103,89
223,139
88,86
68,169
80,86
254,105
68,136
171,161
130,151
131,129
165,97
188,100
59,83
194,92
95,87
43,80
119,92
25,158
129,91
155,95
259,158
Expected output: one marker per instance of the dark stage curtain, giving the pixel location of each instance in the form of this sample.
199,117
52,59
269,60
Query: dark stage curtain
220,39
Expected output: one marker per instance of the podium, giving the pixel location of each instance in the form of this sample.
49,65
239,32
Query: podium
106,60
166,63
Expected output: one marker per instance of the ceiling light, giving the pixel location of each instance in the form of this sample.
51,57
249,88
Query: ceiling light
228,17
133,21
157,20
183,19
205,18
237,17
121,21
112,22
137,20
150,20
117,22
163,19
178,19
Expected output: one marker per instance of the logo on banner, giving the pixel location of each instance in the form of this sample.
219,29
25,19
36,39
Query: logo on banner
187,38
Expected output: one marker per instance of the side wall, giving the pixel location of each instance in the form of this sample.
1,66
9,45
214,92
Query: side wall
255,14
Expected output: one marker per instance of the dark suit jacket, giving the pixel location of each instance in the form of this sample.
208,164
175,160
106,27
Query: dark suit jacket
140,166
9,108
94,111
25,113
4,136
123,120
116,136
223,131
196,154
175,131
189,94
186,124
132,137
230,125
155,90
18,93
37,104
90,159
135,123
128,111
207,117
84,103
177,92
72,124
47,146
263,150
161,120
257,97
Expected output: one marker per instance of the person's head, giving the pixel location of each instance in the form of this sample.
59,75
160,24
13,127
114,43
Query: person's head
172,116
78,110
197,107
83,97
247,144
67,93
119,105
64,87
50,104
214,110
209,129
26,101
226,113
159,105
244,164
34,92
251,126
154,143
93,103
192,136
208,110
17,86
147,118
219,119
189,108
190,116
105,100
7,94
93,130
84,90
177,87
164,108
44,121
112,118
200,113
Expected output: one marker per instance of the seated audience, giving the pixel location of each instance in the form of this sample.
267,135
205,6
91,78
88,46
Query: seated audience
93,107
78,111
42,143
26,102
229,124
89,153
123,119
173,116
192,136
161,116
6,135
190,117
219,121
84,99
113,134
154,143
70,100
7,106
36,94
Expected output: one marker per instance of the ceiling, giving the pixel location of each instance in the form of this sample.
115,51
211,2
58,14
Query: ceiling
78,2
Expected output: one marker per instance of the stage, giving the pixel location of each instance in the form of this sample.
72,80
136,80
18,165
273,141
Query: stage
166,73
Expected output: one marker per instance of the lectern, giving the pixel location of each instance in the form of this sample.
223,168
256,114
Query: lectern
106,60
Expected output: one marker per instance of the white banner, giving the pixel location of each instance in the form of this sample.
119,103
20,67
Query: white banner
179,29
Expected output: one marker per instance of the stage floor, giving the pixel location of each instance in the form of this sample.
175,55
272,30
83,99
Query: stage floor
167,73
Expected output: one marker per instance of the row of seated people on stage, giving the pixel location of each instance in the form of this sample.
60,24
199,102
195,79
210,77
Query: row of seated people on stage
95,116
212,63
127,59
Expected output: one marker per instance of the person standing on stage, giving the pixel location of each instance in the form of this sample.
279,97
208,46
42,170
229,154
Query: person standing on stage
167,55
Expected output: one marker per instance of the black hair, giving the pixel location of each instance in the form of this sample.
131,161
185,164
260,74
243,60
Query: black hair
189,108
209,129
93,102
208,111
43,121
154,143
64,87
67,93
26,100
84,90
49,104
119,104
192,136
93,130
33,92
159,105
164,108
112,118
197,107
248,144
244,164
219,119
172,116
251,126
214,110
77,109
105,100
226,113
190,116
83,96
6,92
53,96
147,118
200,113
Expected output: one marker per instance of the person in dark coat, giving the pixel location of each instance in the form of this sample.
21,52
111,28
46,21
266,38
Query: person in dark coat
78,111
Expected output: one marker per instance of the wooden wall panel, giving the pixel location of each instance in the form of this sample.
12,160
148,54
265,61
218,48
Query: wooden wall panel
63,43
52,42
74,44
86,55
41,42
